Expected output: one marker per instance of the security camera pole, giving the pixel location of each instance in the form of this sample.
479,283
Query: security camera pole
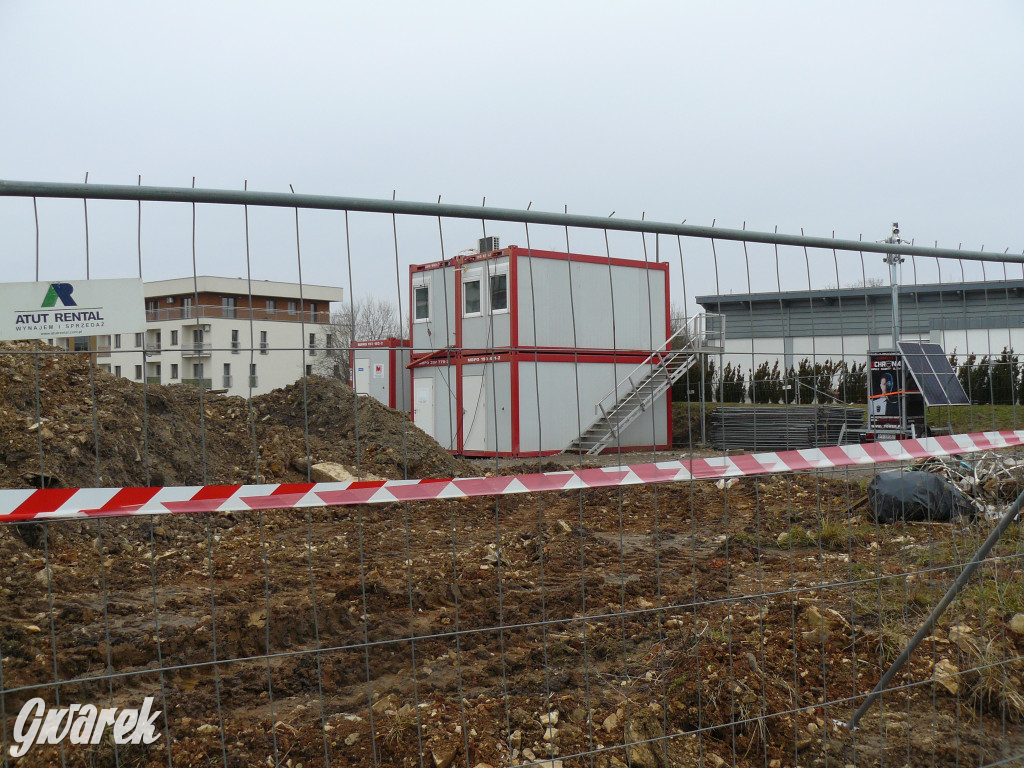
894,262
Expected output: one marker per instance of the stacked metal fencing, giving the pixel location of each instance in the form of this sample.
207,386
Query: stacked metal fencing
592,611
770,429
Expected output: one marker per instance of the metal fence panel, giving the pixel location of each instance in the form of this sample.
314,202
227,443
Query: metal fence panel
248,568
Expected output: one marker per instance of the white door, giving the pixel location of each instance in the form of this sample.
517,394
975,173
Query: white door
363,375
423,404
474,414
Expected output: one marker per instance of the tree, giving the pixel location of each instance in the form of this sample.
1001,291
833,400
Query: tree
731,384
973,378
1004,377
853,382
766,384
367,319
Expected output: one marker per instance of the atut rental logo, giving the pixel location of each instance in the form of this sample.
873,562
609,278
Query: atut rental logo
82,725
80,319
59,292
78,308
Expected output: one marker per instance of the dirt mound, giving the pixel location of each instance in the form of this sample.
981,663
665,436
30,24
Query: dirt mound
173,435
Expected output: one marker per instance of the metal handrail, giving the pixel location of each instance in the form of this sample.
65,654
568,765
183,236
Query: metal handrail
204,311
694,330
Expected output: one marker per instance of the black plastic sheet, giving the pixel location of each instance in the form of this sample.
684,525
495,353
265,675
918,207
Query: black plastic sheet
915,495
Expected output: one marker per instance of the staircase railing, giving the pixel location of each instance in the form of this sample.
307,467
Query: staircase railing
699,336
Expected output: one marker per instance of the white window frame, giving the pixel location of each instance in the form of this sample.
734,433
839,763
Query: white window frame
501,269
474,276
420,281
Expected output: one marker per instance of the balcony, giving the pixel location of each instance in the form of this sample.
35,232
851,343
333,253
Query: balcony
152,348
196,349
152,379
228,382
103,350
254,381
237,313
203,383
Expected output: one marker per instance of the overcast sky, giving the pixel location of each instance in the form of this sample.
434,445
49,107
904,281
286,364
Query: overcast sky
827,116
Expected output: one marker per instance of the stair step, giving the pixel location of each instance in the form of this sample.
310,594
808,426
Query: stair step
632,402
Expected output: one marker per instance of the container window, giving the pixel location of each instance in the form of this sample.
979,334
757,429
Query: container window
421,299
499,293
471,297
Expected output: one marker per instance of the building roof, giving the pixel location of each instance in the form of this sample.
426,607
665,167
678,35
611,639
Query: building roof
996,287
536,253
239,286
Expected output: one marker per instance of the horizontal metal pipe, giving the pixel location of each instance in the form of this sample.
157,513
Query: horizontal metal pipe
477,212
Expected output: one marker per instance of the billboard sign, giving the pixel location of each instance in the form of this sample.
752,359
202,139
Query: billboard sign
71,308
894,401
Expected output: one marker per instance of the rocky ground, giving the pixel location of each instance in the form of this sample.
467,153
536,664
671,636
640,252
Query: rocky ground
577,628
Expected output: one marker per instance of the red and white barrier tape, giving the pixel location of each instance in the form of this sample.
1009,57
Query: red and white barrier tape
64,503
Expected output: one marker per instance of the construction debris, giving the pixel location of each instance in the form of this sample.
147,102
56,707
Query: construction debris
989,480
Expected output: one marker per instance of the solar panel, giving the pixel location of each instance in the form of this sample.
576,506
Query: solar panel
921,372
933,373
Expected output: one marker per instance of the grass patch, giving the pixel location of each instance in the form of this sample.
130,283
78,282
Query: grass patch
991,682
1005,596
842,535
961,418
795,538
976,418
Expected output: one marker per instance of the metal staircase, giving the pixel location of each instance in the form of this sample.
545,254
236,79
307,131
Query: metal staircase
632,396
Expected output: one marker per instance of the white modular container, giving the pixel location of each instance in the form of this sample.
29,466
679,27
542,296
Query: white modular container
379,369
513,349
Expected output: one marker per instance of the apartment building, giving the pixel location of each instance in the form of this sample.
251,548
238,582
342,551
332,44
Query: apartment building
225,334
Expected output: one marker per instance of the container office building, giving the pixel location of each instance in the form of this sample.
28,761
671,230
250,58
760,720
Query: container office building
516,351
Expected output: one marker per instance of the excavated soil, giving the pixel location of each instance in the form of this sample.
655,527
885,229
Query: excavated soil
176,435
740,622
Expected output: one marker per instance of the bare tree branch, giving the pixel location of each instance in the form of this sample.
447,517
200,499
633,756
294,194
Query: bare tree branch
375,318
